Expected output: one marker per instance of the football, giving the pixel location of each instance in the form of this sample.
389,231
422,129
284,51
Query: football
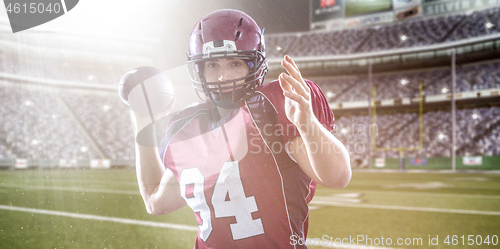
146,90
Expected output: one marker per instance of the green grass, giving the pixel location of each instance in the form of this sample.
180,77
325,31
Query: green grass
457,191
366,6
114,193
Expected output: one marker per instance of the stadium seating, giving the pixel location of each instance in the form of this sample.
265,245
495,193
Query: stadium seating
478,132
54,133
35,125
389,86
105,118
56,123
411,33
476,25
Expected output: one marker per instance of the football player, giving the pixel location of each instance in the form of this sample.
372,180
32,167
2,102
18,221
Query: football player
248,157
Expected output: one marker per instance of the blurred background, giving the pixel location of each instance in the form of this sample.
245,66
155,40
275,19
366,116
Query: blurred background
369,57
414,86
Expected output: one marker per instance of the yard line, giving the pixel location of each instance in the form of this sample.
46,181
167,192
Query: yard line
406,208
64,178
83,180
145,223
38,187
430,171
440,195
451,186
337,199
100,218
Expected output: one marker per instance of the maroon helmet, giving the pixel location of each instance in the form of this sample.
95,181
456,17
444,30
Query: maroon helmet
229,34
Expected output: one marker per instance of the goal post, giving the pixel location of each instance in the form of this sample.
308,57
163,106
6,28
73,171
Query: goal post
420,124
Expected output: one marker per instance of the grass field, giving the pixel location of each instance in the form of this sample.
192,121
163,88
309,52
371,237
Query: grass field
359,7
103,209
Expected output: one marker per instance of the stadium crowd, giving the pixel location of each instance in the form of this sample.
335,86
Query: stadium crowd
477,133
37,125
50,123
406,84
105,118
420,31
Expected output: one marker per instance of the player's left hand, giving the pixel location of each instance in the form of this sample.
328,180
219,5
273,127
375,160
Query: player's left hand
298,104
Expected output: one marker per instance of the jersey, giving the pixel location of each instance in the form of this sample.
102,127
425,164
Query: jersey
235,173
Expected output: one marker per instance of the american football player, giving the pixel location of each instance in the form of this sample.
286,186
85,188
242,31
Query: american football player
247,157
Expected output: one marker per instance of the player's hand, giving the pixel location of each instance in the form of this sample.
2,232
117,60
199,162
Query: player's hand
298,105
149,94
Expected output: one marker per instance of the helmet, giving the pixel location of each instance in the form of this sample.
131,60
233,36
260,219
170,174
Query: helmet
227,34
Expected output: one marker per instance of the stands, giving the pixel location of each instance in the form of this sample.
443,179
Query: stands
50,122
412,33
478,132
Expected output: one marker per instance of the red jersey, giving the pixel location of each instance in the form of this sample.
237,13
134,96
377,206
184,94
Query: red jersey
235,173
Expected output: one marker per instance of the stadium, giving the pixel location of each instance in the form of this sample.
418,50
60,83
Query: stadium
414,87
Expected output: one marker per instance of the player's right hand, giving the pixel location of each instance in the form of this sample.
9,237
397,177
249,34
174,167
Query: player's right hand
149,93
146,90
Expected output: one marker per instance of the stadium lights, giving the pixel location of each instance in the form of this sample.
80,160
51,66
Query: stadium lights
441,136
404,81
489,25
444,90
279,48
475,116
84,149
404,37
330,94
344,130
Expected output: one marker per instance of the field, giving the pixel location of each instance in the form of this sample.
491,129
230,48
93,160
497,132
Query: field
359,7
103,209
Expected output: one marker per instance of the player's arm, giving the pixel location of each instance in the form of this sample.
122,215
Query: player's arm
321,156
318,152
158,186
147,91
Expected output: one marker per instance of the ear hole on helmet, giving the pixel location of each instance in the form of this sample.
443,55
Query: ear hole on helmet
241,20
201,39
237,35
